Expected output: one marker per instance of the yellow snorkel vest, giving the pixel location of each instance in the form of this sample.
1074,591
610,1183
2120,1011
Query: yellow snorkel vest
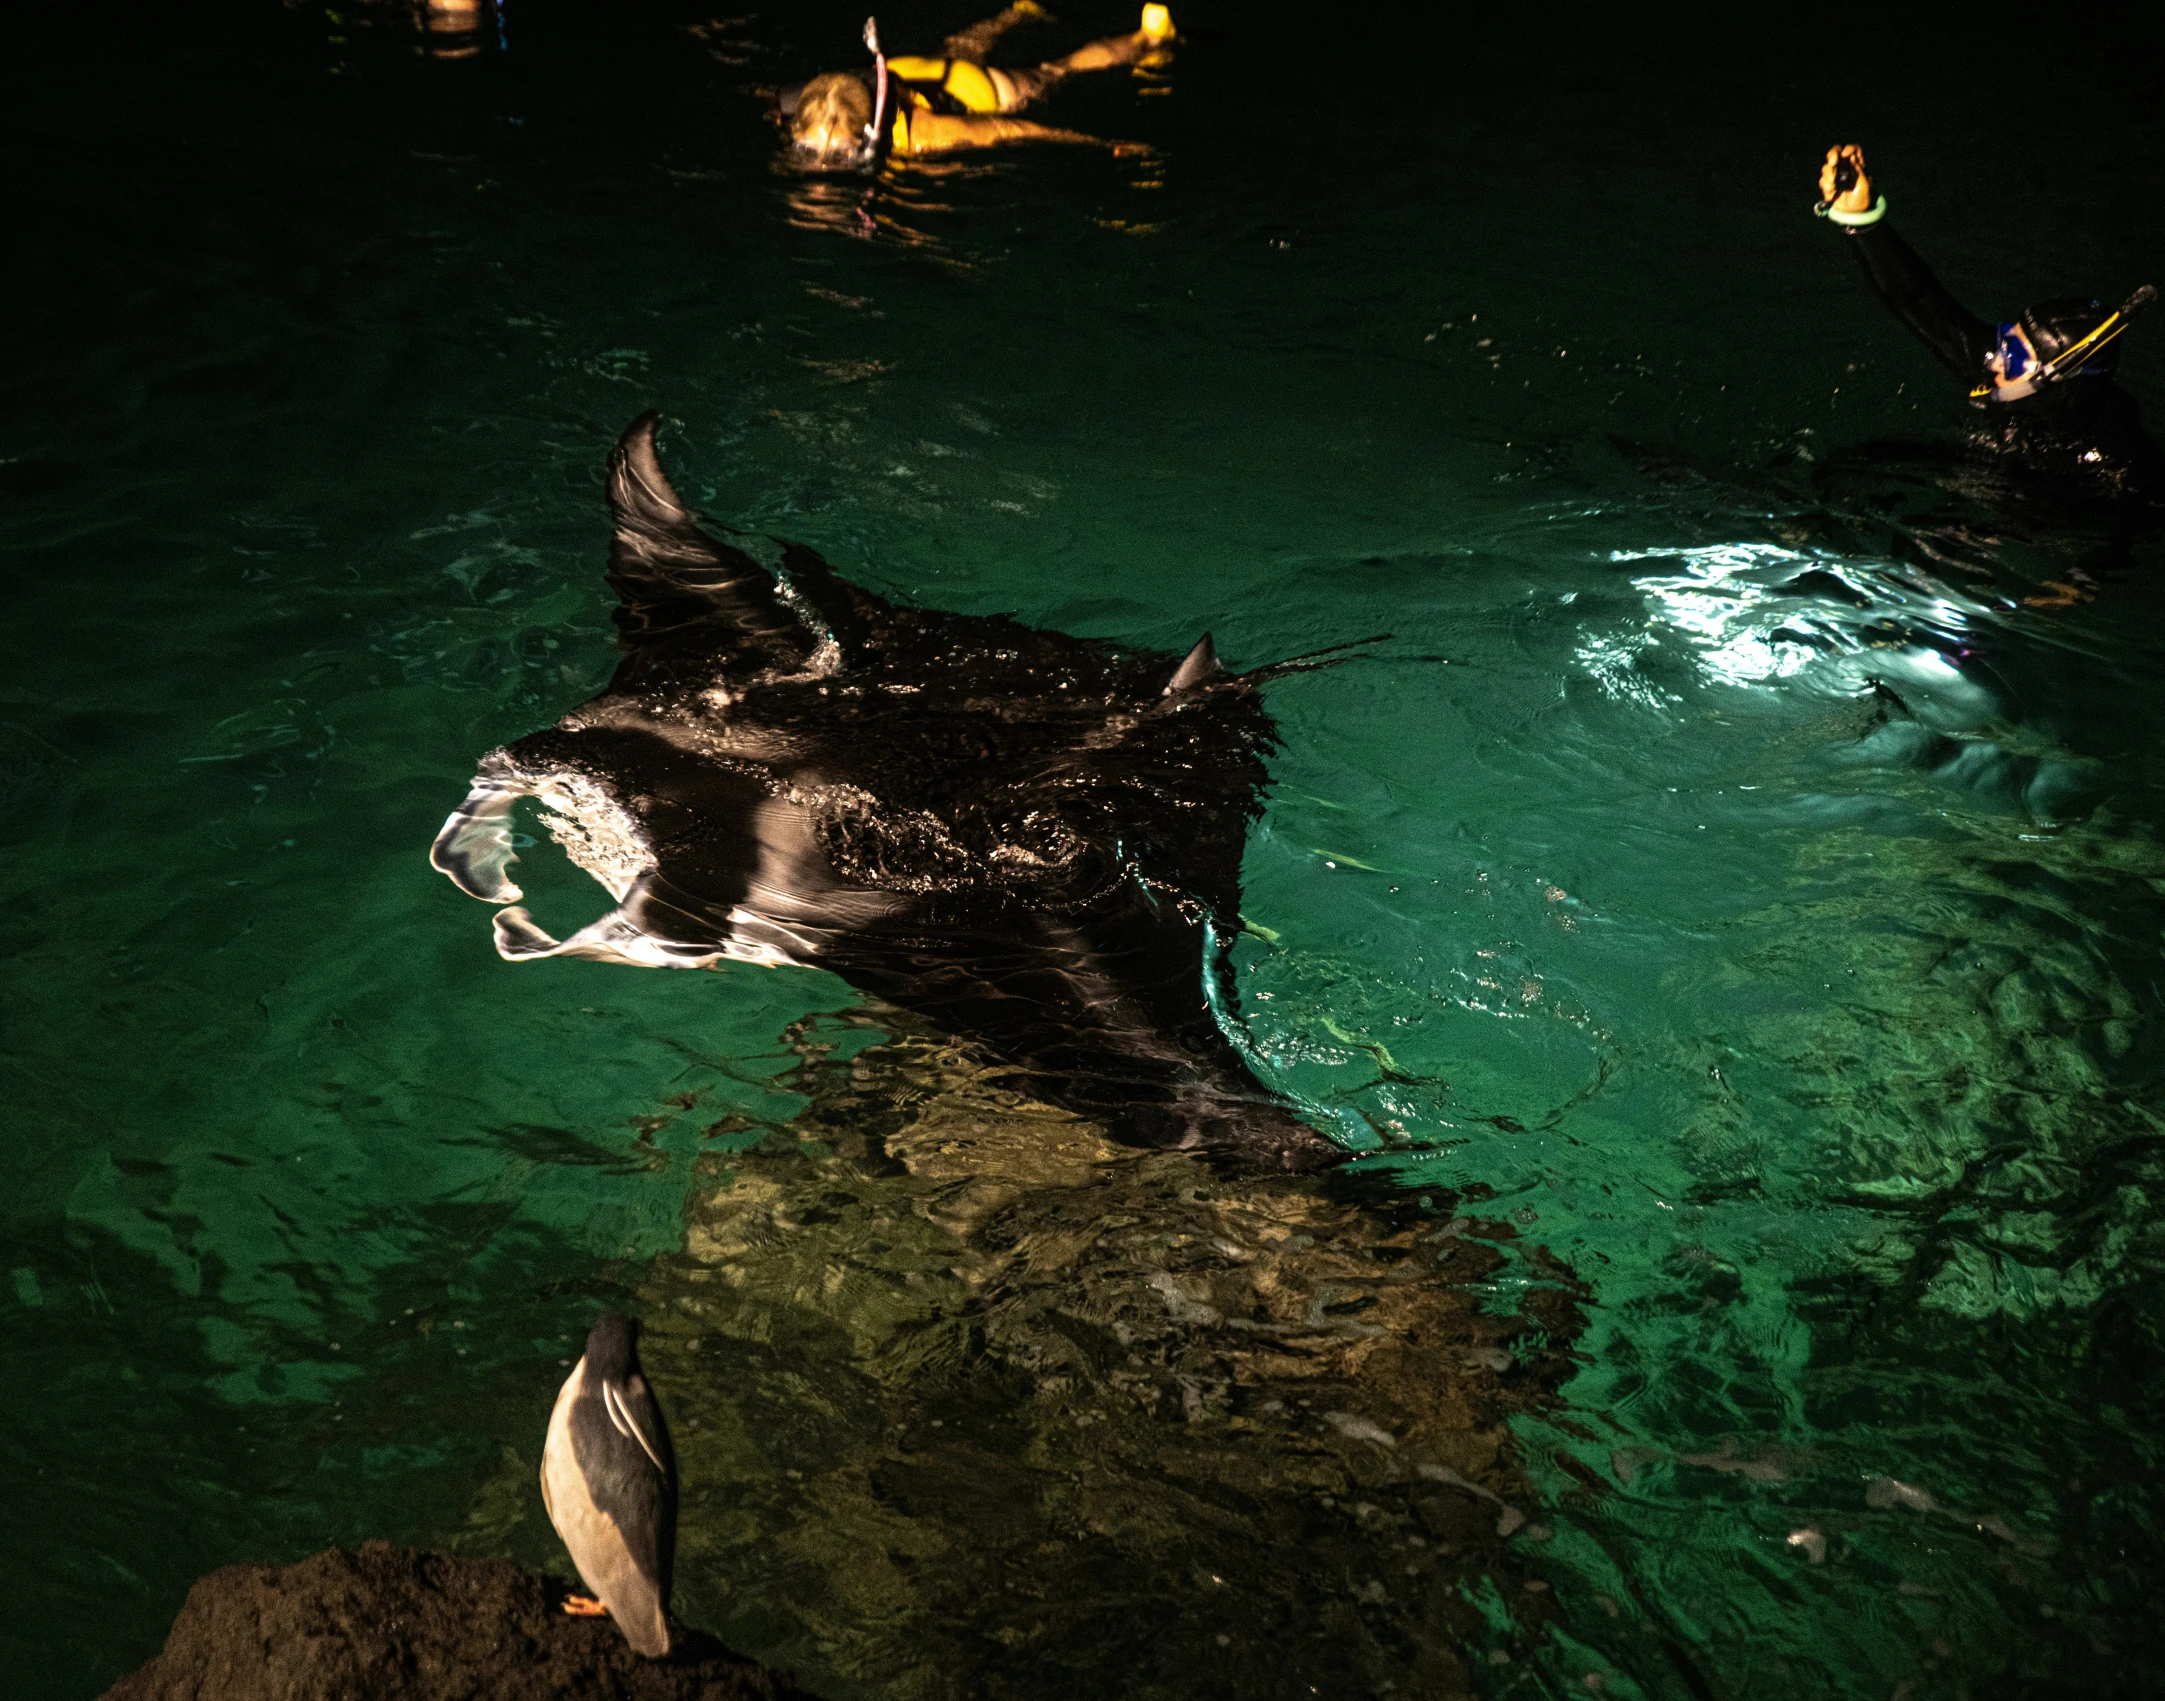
970,87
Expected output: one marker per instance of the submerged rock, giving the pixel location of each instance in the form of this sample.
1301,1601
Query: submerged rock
388,1622
978,1402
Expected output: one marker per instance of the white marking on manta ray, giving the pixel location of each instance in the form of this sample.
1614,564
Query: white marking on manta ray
596,833
602,840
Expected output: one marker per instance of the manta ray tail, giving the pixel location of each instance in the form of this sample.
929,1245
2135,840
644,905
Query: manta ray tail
685,593
1314,661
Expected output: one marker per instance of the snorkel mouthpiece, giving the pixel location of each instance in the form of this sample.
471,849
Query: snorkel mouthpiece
878,127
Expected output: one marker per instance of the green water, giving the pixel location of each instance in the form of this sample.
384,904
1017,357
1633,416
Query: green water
1780,1257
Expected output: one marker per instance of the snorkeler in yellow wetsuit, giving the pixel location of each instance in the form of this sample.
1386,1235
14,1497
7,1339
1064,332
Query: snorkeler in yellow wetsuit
914,104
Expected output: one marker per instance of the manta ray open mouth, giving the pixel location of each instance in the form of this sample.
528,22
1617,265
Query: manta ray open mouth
597,833
1033,840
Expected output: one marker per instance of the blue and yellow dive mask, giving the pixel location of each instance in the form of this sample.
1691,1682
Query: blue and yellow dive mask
2019,370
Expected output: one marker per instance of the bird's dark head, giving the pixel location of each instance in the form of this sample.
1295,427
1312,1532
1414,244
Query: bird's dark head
612,1347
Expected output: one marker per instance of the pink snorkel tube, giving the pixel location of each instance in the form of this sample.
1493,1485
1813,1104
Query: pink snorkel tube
877,129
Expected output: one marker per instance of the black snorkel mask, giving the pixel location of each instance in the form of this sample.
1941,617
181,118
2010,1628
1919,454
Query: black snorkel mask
2023,372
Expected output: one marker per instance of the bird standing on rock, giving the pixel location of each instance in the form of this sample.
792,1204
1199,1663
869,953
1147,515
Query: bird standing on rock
609,1480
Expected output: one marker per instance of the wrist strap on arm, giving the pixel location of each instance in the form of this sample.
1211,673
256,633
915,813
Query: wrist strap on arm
1855,221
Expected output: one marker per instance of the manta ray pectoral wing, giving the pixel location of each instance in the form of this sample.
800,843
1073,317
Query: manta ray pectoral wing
682,589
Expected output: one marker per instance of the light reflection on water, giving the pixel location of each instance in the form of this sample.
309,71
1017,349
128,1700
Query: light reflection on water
1757,611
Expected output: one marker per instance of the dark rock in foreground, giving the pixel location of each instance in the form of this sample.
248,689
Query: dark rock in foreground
387,1622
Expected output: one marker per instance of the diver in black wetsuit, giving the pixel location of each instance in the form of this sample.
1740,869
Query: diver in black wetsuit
2044,380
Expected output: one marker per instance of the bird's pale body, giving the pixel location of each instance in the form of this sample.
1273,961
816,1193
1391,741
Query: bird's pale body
608,1479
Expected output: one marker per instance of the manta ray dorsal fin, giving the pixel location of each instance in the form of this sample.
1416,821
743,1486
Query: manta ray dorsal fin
1200,666
678,583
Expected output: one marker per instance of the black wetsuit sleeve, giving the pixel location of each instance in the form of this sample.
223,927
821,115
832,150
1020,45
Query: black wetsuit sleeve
1905,283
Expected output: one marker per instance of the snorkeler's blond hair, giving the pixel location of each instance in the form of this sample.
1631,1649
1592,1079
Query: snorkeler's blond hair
832,112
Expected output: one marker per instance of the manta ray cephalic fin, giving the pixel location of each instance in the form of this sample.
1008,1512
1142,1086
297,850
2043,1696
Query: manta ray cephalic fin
475,847
615,938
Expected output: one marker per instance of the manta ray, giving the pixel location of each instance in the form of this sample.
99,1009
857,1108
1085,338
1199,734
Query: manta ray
1029,839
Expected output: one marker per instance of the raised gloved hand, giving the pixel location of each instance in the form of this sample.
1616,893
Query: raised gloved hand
1844,184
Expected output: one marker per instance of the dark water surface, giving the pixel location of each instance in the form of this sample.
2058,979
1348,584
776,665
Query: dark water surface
1772,1307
